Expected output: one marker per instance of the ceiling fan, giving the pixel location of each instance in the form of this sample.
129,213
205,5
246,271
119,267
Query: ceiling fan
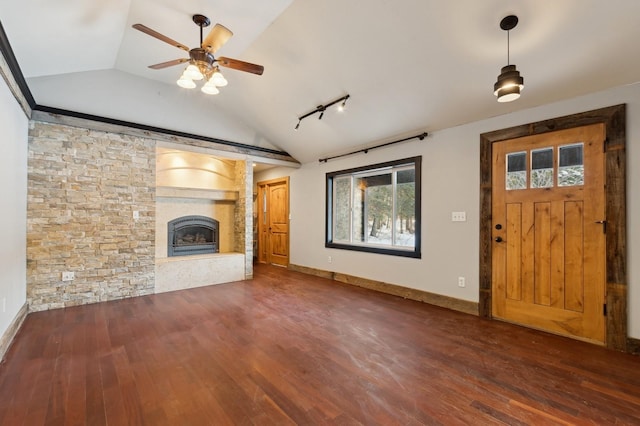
203,65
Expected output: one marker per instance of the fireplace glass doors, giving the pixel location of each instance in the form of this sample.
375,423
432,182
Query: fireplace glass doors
190,235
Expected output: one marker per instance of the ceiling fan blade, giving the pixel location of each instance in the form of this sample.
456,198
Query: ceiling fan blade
168,63
240,65
160,37
216,38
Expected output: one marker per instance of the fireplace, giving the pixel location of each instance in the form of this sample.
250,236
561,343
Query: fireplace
192,235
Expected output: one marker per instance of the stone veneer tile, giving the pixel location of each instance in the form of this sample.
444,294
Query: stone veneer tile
243,228
83,187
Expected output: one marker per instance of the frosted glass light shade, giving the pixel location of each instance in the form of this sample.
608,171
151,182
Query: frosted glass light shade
218,79
186,83
193,73
210,89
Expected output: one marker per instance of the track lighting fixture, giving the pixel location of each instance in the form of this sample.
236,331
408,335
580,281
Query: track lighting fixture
322,108
509,83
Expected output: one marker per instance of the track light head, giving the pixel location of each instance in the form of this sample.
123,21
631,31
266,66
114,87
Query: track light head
343,105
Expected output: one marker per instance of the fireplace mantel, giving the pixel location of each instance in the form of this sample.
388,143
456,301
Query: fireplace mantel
193,193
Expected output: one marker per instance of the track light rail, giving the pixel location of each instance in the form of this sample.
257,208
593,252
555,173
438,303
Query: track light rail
322,108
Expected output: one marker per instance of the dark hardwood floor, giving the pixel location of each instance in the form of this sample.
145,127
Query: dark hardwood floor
287,348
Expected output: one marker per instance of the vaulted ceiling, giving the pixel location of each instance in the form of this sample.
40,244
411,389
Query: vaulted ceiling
408,65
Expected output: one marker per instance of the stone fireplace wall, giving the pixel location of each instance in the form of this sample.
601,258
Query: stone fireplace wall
83,189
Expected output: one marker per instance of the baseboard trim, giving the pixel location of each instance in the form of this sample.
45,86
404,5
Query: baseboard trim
393,289
14,327
311,271
633,346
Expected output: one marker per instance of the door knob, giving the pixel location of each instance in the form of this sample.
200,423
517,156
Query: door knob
499,239
498,226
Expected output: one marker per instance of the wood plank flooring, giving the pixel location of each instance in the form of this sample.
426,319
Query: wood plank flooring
288,348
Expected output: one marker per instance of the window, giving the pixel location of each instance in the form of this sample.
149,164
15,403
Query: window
375,208
542,168
516,170
569,170
571,165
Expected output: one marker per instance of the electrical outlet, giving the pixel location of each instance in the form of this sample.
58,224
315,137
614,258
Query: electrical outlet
329,259
68,276
458,216
461,282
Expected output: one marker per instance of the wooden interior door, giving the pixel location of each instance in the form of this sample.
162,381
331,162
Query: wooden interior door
273,222
548,225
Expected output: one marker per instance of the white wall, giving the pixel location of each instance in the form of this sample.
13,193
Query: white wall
14,128
450,183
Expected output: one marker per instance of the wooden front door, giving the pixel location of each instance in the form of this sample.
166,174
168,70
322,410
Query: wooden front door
548,227
273,222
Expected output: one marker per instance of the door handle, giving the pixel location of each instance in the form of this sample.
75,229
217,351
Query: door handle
499,239
604,225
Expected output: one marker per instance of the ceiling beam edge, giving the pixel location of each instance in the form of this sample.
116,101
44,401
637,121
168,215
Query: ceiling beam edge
12,75
98,123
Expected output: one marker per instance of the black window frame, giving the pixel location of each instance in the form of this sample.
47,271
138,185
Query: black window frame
411,253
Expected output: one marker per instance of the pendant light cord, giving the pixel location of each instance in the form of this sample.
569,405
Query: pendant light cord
508,60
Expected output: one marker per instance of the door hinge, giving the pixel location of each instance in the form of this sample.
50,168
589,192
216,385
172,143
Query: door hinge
604,309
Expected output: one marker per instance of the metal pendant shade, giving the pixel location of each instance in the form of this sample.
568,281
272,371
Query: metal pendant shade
510,82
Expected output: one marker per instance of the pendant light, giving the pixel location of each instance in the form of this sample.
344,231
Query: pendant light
509,83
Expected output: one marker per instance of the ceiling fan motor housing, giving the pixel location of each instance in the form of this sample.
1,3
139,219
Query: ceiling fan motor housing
202,59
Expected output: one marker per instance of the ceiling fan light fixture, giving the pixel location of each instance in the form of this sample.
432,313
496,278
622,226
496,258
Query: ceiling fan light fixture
218,79
192,72
202,64
210,89
186,83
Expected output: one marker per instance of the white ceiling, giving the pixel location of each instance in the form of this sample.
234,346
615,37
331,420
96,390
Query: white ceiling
409,65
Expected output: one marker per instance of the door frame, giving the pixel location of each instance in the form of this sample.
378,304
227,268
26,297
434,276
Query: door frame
614,119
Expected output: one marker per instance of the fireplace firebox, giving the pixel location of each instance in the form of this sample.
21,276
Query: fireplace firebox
190,235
